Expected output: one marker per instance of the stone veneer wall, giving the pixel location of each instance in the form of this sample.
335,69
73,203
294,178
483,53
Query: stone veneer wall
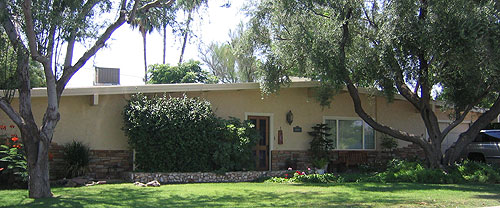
279,157
113,163
198,177
103,163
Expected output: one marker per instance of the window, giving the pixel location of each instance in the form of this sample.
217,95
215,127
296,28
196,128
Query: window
350,133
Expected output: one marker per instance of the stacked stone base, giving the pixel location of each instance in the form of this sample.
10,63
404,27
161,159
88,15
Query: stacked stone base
198,177
104,164
300,159
112,164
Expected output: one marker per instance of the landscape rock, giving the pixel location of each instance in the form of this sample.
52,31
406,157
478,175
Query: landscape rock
139,184
154,183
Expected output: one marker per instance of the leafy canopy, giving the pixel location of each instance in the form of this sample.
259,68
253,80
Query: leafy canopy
456,40
188,72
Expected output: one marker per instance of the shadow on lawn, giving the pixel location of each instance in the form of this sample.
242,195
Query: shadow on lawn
391,187
167,197
489,191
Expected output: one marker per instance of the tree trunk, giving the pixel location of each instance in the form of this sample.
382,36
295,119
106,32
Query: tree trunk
164,42
38,170
454,152
186,32
38,161
145,57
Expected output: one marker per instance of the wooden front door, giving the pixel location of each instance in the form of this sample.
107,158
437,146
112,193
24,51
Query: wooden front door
261,150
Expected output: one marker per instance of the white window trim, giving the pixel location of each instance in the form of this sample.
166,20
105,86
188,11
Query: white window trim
352,119
271,132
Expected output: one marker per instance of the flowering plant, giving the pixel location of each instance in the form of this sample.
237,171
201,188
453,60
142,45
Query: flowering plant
12,158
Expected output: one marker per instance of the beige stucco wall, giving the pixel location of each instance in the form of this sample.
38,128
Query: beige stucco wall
100,125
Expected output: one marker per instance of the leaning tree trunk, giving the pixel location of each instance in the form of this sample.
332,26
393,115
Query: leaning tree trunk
455,151
186,32
164,42
145,57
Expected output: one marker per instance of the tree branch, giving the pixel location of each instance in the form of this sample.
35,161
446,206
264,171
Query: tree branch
70,71
468,136
7,108
353,92
456,122
370,21
30,33
9,27
405,91
69,51
131,17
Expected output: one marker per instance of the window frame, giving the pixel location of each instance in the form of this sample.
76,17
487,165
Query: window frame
337,118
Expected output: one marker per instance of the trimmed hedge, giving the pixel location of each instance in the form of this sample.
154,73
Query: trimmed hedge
184,135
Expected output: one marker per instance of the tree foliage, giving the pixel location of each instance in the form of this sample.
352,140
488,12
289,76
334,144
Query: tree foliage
406,47
234,61
188,72
8,76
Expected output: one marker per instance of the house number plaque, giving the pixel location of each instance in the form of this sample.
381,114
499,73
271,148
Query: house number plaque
297,129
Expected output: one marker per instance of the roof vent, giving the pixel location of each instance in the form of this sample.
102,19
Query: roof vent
107,76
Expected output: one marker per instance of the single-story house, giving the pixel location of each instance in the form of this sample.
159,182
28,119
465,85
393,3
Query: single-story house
93,115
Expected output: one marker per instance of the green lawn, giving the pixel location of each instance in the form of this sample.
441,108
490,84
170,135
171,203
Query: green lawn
263,195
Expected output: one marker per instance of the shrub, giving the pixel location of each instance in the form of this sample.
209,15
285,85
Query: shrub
184,135
478,172
305,178
414,172
375,166
76,156
410,172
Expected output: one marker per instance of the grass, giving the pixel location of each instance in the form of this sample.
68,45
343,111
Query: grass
263,195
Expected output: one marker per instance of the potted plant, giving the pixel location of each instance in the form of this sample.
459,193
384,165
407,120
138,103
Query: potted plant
320,146
320,165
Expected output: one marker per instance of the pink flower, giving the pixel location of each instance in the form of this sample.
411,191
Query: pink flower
1,169
303,173
309,169
289,168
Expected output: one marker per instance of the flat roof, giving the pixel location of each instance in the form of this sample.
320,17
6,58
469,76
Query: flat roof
181,87
160,88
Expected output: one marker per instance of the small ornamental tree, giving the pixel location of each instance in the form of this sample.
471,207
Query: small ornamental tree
320,145
184,135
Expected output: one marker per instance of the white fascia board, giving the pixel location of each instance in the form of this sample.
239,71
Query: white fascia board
161,88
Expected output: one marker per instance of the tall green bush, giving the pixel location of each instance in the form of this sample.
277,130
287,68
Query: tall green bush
184,135
76,156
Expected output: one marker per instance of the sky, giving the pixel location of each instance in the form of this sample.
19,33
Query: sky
124,49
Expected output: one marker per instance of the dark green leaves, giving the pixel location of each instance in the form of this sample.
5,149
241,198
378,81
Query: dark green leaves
184,135
189,72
